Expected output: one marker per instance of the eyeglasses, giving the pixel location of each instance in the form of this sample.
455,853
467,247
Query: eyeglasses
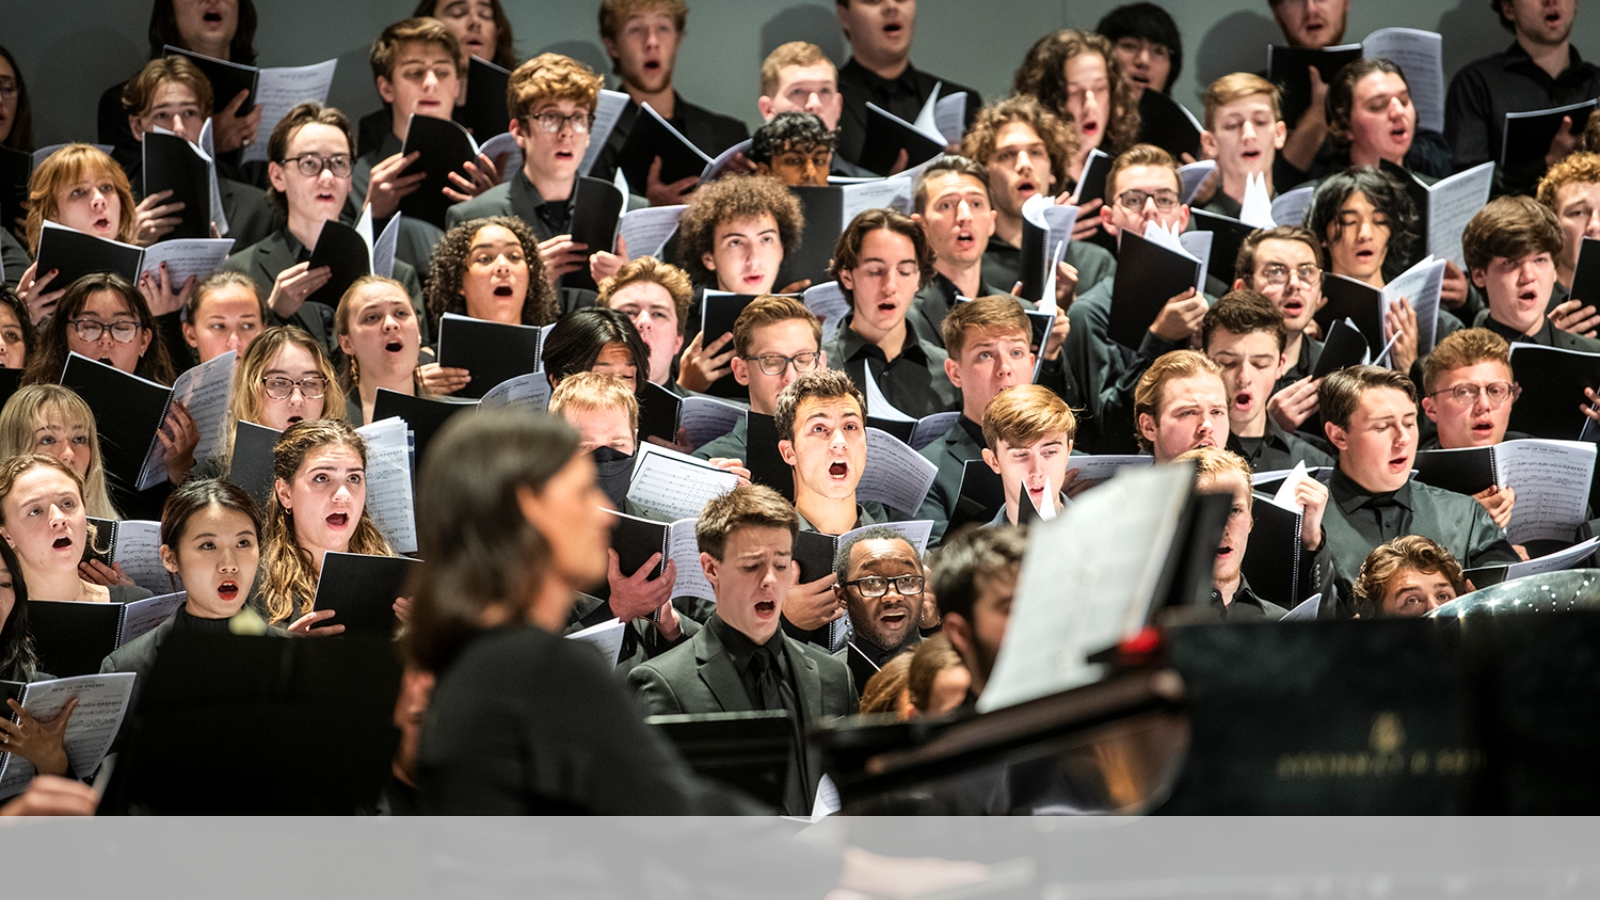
280,388
553,121
8,89
1133,200
1498,393
90,330
874,586
311,165
775,363
1278,275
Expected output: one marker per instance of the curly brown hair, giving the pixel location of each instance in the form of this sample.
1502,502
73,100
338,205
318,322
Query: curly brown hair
449,267
1412,552
1060,142
729,199
1043,74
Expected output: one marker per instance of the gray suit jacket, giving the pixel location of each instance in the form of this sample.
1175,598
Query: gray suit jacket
13,258
699,677
951,452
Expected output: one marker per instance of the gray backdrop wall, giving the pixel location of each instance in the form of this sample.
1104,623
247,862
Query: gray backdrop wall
71,50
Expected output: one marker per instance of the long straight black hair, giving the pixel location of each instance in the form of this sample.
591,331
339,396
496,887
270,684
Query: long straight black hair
18,662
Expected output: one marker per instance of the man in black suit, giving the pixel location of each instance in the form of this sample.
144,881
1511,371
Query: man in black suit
643,37
880,583
742,660
880,69
551,101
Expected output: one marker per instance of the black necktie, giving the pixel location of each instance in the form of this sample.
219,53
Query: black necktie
772,693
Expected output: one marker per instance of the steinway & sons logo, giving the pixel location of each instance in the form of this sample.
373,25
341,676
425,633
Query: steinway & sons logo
1386,756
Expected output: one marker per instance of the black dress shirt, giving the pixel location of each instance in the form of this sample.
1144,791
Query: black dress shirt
1547,336
1246,606
1277,450
1357,521
903,96
1484,91
915,382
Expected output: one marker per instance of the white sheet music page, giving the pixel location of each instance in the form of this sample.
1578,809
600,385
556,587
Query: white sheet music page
102,702
390,500
669,485
279,90
896,475
1087,581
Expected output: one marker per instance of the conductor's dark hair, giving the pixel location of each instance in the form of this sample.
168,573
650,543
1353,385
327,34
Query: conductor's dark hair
164,31
1148,22
790,130
1388,198
479,551
576,341
970,560
21,136
18,661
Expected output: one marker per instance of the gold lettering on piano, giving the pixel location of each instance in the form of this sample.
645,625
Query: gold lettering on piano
1385,757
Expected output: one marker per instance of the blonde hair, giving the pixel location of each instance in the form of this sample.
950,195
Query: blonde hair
1467,347
649,270
1239,85
350,378
248,393
993,314
69,165
1024,413
594,391
794,53
20,418
290,582
769,309
1147,396
1211,463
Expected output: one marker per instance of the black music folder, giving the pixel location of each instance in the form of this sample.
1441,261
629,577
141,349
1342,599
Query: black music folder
650,137
345,252
493,352
172,163
596,209
445,148
1148,275
361,589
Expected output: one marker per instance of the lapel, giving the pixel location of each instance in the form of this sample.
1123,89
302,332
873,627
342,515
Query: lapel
716,670
924,310
808,679
273,256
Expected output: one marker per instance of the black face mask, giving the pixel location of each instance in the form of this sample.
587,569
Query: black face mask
614,472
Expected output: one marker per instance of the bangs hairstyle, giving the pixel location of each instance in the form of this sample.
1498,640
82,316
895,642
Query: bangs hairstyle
769,309
1244,265
1341,391
1149,22
649,270
1577,168
282,133
550,78
1023,414
1341,99
350,378
45,366
1211,463
1044,75
451,258
21,136
164,30
1244,312
68,166
973,561
794,53
1467,347
823,384
991,316
1510,228
1236,87
139,94
595,392
290,582
729,200
419,30
505,50
576,341
198,495
1060,141
746,506
1412,552
1388,198
36,403
1152,387
847,252
250,395
480,554
947,165
614,16
800,131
